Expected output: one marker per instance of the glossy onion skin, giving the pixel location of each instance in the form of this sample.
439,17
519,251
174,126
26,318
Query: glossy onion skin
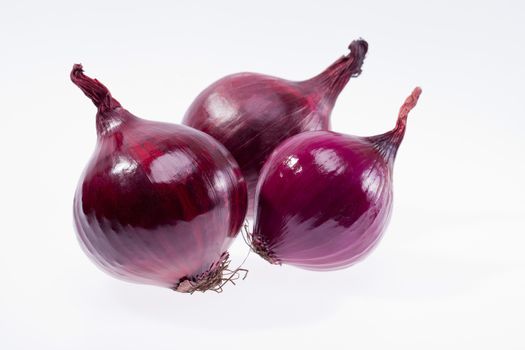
252,113
324,199
158,203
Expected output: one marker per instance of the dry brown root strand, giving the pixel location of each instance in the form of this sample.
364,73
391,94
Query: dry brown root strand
214,278
258,246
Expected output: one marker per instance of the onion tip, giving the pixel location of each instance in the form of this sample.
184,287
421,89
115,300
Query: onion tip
334,78
407,106
358,49
92,88
388,143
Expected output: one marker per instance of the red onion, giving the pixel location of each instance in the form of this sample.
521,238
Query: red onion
251,113
324,199
157,203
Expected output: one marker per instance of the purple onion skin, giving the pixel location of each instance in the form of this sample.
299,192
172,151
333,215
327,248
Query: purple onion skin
251,113
158,203
324,199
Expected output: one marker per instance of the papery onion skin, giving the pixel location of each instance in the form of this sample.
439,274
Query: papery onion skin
324,199
158,203
252,113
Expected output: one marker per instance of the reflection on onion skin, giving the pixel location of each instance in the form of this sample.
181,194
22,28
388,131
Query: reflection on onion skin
324,199
251,113
157,203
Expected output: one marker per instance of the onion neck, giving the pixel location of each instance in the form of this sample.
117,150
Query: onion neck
110,113
388,143
334,78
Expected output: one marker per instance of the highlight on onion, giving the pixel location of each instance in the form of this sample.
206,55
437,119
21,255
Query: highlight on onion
158,203
251,113
324,199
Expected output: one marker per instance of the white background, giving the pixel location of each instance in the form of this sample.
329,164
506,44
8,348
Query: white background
450,271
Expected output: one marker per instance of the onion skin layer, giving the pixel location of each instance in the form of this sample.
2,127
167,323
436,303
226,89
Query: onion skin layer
324,199
252,113
158,203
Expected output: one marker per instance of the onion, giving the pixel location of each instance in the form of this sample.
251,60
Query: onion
157,203
324,199
251,113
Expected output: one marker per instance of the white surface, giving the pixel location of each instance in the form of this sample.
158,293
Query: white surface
450,272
